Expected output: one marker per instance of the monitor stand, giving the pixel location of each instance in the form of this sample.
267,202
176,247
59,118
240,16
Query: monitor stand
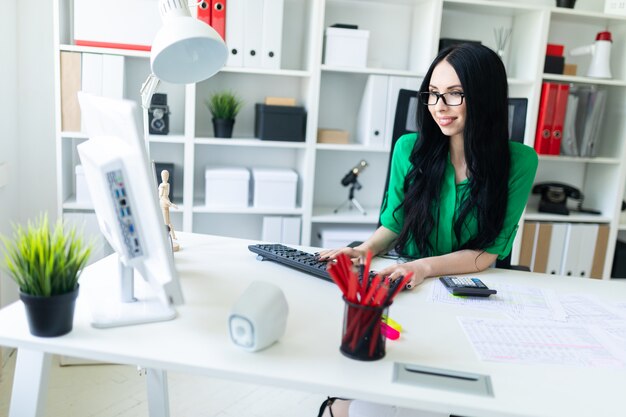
127,307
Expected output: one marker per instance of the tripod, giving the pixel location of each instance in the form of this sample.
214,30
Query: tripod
351,201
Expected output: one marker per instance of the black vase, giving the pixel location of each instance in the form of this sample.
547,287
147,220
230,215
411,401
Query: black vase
50,316
223,128
566,3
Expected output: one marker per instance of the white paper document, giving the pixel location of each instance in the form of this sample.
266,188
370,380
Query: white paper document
547,343
519,302
585,309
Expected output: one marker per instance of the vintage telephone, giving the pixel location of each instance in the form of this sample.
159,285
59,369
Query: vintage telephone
554,197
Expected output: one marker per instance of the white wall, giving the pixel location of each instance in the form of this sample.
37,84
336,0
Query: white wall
9,139
35,59
27,140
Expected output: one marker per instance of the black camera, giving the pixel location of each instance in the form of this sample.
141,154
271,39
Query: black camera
159,115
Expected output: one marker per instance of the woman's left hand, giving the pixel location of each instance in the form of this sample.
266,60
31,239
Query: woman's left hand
397,271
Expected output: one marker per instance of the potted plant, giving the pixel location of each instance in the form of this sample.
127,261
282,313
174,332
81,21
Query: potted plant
46,263
224,107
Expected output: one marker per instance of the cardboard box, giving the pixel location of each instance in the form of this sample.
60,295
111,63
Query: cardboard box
346,47
274,188
570,69
333,136
280,101
227,187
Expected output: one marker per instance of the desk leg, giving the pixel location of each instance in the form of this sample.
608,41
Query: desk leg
158,396
30,383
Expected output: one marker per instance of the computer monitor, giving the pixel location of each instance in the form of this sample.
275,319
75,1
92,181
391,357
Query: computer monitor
123,190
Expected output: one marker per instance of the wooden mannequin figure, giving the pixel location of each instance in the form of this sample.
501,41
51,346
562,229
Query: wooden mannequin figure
164,201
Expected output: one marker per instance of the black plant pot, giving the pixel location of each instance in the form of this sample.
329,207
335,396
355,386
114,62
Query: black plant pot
223,128
50,316
566,3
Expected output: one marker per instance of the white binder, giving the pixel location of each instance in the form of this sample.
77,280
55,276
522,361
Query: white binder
272,34
571,250
291,230
372,112
395,84
587,247
91,76
555,252
252,32
234,32
272,229
113,76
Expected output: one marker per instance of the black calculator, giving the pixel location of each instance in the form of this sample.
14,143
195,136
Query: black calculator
466,286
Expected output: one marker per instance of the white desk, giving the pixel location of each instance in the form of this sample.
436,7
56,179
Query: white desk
215,271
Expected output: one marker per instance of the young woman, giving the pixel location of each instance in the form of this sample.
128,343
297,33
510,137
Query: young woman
457,189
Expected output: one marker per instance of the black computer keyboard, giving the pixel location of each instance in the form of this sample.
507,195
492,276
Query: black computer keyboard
295,258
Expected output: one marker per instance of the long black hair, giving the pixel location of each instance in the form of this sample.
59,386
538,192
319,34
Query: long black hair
485,138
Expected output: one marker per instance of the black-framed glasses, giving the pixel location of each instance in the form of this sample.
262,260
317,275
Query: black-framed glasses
453,98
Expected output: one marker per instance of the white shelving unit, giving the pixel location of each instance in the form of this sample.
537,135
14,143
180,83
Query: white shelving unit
404,36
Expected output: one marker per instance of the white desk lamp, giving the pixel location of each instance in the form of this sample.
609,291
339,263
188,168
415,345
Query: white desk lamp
185,50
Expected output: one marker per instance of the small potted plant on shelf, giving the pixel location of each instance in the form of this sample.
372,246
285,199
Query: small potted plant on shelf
224,106
46,263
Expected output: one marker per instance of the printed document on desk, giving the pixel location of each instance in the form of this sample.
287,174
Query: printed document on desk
547,343
519,302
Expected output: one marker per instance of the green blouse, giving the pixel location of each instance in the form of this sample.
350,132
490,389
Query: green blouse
442,237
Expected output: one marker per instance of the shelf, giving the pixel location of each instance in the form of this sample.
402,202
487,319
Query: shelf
166,138
584,80
583,16
503,7
326,215
110,51
578,159
260,71
71,204
199,207
349,148
532,214
247,142
370,71
73,135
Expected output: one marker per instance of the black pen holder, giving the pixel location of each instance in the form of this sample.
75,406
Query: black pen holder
362,336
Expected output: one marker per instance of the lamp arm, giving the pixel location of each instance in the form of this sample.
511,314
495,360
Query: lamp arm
147,91
148,88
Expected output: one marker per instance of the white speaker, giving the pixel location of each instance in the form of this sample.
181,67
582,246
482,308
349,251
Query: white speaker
259,316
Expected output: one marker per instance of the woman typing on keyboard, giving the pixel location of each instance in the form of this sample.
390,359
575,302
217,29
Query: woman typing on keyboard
457,188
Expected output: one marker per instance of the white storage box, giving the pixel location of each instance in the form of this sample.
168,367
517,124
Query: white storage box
227,187
274,188
339,238
127,24
82,191
346,47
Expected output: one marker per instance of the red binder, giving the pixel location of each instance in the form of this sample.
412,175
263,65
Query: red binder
218,17
545,119
204,11
560,106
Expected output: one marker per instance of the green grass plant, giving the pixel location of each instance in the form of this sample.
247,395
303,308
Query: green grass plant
45,261
224,105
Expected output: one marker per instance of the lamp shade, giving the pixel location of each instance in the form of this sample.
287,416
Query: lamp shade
187,50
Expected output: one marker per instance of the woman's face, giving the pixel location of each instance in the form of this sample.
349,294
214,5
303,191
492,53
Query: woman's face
451,119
